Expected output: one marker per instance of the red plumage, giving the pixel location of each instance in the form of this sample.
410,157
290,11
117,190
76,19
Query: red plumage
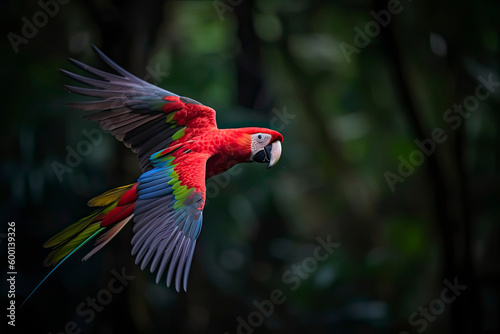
179,146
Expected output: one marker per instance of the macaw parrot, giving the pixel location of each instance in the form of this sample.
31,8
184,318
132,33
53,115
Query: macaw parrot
179,147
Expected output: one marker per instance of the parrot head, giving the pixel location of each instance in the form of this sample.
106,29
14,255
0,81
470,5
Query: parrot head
265,146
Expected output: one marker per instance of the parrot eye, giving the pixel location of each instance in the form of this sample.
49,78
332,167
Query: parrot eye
262,137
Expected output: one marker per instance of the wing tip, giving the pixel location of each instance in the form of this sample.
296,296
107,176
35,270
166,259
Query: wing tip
95,48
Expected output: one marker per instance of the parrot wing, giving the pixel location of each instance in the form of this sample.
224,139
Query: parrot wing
144,117
168,213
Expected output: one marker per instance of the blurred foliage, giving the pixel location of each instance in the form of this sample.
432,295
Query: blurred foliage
277,64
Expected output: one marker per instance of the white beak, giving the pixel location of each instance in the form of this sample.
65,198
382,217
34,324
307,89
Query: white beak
275,153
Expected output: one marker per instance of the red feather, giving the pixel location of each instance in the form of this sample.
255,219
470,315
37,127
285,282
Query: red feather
117,214
130,196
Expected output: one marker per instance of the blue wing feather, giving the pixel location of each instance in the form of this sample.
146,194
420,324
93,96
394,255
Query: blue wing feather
166,232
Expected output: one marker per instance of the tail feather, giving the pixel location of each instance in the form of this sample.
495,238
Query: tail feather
116,206
107,237
71,230
110,196
68,239
62,261
110,205
69,246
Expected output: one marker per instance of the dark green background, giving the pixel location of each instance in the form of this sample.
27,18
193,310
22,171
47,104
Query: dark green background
349,123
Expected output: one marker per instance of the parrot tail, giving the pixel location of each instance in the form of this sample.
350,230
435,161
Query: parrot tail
115,210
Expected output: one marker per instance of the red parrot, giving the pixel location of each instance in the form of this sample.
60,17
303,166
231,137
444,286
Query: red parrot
179,146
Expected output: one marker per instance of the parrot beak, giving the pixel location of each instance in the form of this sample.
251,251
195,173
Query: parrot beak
269,154
275,153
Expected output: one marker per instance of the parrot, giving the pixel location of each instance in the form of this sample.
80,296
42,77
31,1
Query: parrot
179,147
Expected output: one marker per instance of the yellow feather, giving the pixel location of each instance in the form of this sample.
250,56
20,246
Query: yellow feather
59,253
109,196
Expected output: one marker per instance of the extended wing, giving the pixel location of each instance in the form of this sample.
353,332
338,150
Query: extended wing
168,214
144,117
155,124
